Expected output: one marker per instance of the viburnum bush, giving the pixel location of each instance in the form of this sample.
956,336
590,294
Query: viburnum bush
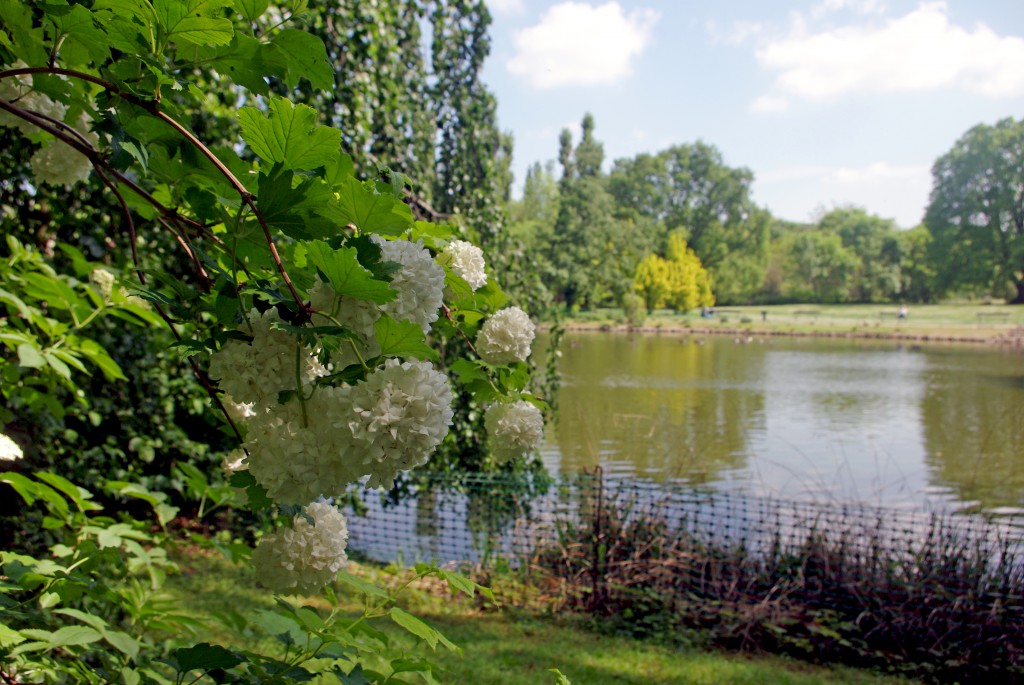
312,314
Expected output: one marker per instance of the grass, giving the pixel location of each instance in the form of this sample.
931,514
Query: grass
961,321
509,645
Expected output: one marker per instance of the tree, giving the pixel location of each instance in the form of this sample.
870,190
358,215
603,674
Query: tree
689,187
873,240
976,211
824,265
677,280
917,274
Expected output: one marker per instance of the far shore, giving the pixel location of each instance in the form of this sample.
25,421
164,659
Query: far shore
970,323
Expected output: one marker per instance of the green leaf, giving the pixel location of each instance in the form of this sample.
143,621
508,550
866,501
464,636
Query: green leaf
79,495
16,302
404,665
205,657
88,619
194,21
290,135
303,55
468,371
30,357
342,170
345,274
83,40
402,339
30,491
420,629
370,211
255,492
252,9
72,635
16,18
243,61
291,208
92,351
9,637
361,585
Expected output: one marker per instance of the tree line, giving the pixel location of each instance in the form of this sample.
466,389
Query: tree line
595,236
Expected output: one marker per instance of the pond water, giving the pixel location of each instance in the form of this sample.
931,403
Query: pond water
879,422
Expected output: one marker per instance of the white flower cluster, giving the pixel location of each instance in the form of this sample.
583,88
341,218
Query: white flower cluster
60,164
9,450
389,422
467,261
359,315
104,280
401,413
514,429
56,162
18,90
506,337
305,557
257,372
420,282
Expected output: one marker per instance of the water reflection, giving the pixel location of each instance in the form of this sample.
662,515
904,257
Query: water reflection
822,419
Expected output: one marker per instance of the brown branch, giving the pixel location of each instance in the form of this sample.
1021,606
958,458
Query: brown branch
448,315
127,218
152,108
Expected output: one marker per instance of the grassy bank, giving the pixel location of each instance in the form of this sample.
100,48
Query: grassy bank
508,646
971,322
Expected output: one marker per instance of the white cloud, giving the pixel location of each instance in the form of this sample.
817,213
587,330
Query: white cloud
738,33
919,51
858,6
576,44
891,191
515,7
770,103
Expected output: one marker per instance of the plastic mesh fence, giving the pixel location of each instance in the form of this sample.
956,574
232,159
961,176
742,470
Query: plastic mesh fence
908,585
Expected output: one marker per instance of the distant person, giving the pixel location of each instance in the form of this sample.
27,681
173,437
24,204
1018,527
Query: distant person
903,312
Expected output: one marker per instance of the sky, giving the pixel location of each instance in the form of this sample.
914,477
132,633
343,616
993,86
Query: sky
828,102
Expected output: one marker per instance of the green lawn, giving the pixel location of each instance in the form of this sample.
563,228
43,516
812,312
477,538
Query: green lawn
970,321
508,646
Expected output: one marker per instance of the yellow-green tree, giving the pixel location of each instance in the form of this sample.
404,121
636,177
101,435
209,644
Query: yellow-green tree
678,281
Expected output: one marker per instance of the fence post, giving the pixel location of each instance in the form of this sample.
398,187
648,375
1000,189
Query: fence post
596,565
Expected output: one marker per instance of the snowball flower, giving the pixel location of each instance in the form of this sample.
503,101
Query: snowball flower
506,337
104,280
513,429
401,412
60,164
305,557
299,456
420,282
18,91
258,371
357,314
467,261
239,412
9,450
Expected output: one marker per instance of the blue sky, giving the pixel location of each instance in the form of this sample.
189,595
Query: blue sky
828,102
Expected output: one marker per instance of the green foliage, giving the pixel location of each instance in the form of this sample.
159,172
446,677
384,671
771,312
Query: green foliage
219,231
976,212
45,317
874,242
93,607
678,281
690,188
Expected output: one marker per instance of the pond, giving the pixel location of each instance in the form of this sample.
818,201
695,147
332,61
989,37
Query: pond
879,422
